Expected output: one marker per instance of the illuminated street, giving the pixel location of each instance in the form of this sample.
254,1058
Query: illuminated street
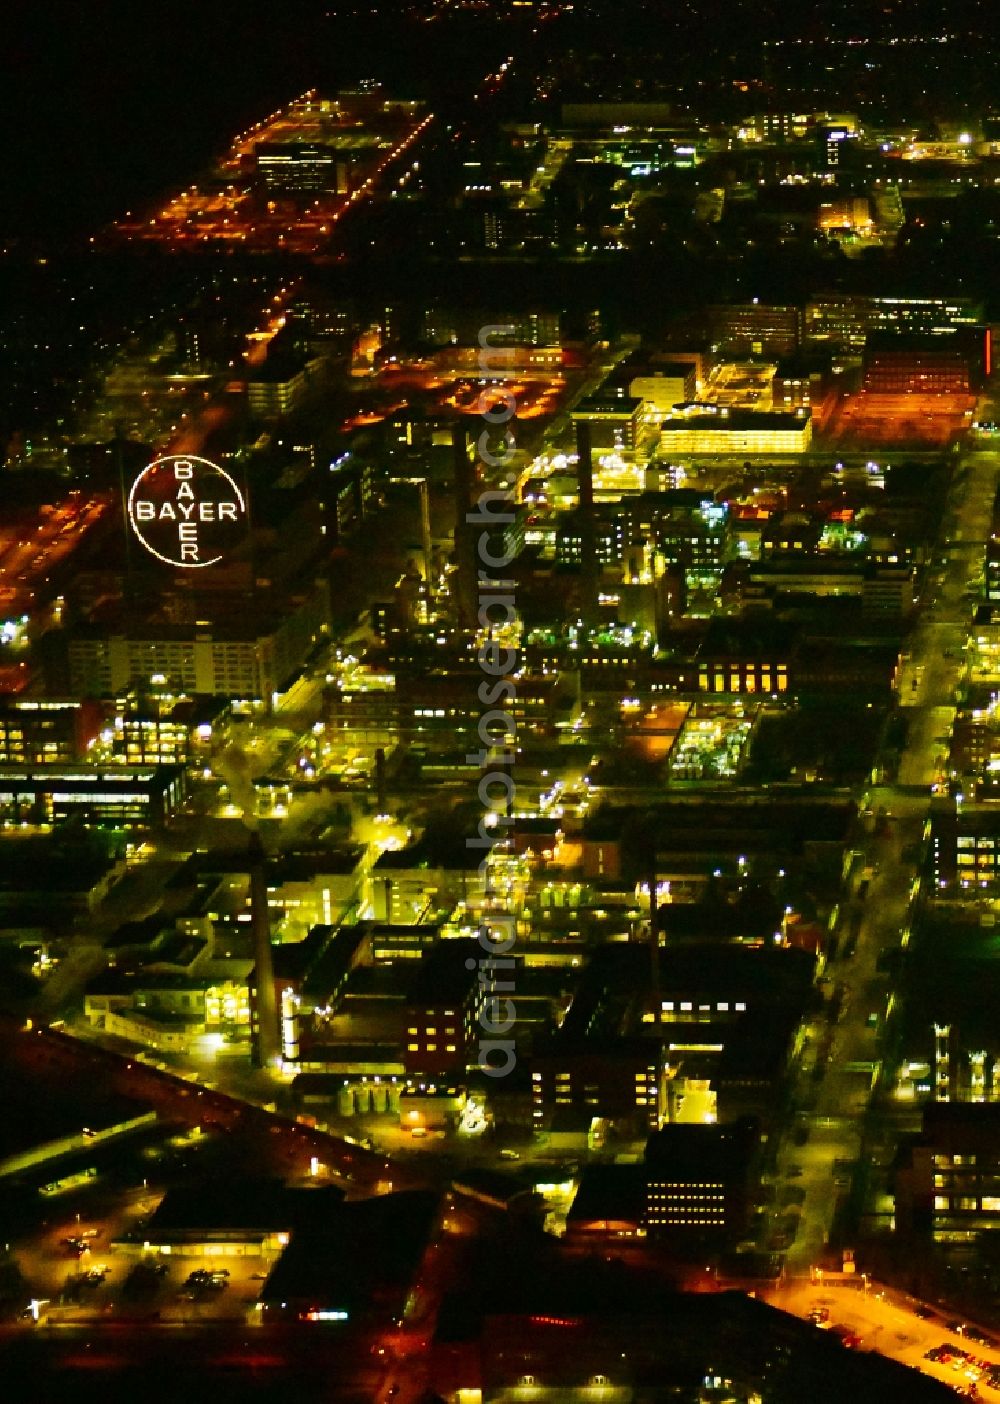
500,704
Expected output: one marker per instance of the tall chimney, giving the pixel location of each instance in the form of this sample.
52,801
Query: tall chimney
380,796
267,1043
654,937
425,538
464,481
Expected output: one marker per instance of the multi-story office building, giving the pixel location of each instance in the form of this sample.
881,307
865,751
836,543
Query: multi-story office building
620,1081
156,726
571,534
798,383
50,732
984,663
966,847
663,387
614,419
152,739
684,528
442,1008
743,666
845,320
888,591
737,431
453,326
250,658
950,1184
349,497
698,1180
534,328
777,128
275,389
923,315
441,705
899,365
756,329
992,581
111,796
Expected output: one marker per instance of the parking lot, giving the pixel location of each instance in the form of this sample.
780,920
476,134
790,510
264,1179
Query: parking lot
869,1317
110,1283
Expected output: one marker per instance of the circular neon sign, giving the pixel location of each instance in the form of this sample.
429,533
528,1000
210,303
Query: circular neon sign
186,511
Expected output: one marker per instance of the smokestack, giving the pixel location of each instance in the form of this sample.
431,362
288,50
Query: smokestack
464,481
267,1043
425,537
589,565
380,799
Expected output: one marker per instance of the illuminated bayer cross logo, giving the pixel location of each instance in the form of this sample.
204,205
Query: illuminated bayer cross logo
186,511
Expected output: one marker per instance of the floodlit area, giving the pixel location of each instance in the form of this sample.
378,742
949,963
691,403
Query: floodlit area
35,544
867,419
286,182
740,385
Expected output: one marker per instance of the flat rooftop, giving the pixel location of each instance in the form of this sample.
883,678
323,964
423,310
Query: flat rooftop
738,420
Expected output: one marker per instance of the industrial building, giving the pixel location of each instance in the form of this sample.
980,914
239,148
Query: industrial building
614,419
111,796
756,329
250,657
50,732
899,365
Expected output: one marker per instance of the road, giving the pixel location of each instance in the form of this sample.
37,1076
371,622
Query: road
836,1100
220,1361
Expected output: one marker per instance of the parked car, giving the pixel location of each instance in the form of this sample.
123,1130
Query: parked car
848,1338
